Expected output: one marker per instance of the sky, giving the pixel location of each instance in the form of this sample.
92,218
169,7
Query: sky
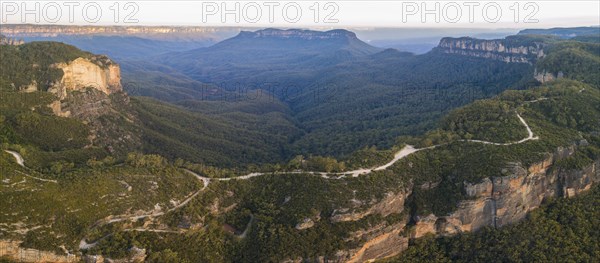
307,14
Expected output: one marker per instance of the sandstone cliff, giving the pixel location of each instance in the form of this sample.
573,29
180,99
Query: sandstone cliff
90,90
98,72
544,76
152,32
492,202
10,41
499,49
392,203
12,249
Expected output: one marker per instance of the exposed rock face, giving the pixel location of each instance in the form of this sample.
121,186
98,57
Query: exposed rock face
10,41
306,223
99,72
546,76
492,49
382,243
84,105
390,204
495,202
155,32
12,250
91,89
501,201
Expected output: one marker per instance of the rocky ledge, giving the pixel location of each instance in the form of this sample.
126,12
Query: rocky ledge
500,49
98,72
492,202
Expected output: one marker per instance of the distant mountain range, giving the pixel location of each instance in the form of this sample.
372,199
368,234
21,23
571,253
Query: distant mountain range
564,32
382,153
188,33
344,93
266,53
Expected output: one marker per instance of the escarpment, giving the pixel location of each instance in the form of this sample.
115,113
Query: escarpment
544,76
392,203
85,86
13,250
493,202
90,90
500,49
97,72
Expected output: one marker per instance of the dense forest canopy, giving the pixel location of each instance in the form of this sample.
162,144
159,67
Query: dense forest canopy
173,184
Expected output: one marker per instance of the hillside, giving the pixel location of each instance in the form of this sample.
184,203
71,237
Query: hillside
344,94
267,53
91,173
442,191
565,32
561,229
55,112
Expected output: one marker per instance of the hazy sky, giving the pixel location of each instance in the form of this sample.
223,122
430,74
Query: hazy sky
324,14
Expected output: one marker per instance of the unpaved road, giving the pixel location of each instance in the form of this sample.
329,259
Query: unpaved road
18,158
529,137
406,151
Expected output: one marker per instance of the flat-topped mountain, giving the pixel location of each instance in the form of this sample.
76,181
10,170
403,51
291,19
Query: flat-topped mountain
563,32
298,33
268,50
296,40
123,42
129,179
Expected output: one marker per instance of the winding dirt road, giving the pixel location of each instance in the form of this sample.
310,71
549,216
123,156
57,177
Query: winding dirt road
406,151
529,137
403,153
18,157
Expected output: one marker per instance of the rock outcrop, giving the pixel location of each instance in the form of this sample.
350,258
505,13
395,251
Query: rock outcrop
89,89
305,224
98,72
12,250
545,76
492,202
384,242
502,50
390,204
10,41
505,200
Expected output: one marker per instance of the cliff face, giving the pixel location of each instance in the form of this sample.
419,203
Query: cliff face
153,32
501,50
544,76
390,204
89,89
99,72
10,41
500,201
495,202
12,249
